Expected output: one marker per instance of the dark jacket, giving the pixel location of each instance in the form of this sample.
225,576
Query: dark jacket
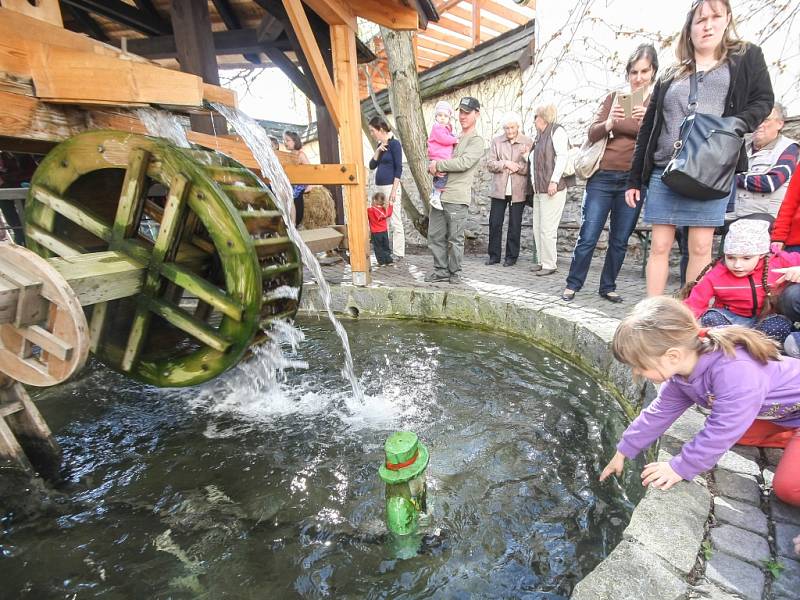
389,163
749,98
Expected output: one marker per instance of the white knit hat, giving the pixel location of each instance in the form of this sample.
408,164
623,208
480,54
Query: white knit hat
443,107
747,237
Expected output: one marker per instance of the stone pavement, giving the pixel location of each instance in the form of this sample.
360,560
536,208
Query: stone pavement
511,282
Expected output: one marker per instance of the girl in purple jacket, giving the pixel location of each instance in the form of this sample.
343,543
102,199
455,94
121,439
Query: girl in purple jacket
753,393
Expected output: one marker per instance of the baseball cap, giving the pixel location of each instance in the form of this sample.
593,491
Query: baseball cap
468,104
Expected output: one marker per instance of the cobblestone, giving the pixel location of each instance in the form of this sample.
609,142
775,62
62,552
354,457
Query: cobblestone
783,512
740,514
737,486
787,585
735,462
735,576
709,591
784,534
740,543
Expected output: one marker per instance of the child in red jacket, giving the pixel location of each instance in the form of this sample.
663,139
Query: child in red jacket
378,215
745,282
786,230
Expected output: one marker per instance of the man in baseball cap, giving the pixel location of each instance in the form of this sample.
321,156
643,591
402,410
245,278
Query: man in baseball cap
468,104
446,225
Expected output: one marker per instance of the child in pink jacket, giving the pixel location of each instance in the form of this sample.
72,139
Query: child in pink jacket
441,143
748,284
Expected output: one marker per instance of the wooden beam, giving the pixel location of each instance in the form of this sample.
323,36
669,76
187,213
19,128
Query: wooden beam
345,65
435,57
393,15
476,21
339,174
192,25
457,26
436,46
231,20
485,20
507,13
302,28
239,41
295,75
334,12
43,10
123,13
443,36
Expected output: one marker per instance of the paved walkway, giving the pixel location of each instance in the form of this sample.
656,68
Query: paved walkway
512,282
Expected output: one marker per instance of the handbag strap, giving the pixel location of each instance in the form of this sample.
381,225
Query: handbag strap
692,93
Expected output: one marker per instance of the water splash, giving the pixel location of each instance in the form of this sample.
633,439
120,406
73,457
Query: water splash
256,139
160,123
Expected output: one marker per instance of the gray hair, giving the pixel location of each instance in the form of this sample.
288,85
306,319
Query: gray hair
780,111
509,118
548,112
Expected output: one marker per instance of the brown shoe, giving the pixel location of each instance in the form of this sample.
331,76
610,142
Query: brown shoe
545,272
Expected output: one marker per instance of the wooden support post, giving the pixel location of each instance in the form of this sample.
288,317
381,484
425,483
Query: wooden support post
25,438
329,153
345,68
195,44
476,22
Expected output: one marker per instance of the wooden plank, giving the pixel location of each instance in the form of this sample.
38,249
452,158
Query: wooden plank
485,21
302,28
389,13
82,217
96,325
101,276
188,324
433,56
321,240
323,174
205,291
126,221
10,409
30,308
458,27
64,74
221,95
429,44
48,240
509,13
47,341
43,10
443,35
345,68
476,21
164,248
335,12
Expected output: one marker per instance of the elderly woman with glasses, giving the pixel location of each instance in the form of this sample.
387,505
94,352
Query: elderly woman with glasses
508,162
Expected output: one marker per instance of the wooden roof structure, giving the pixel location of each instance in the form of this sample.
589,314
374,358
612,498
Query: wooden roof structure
462,26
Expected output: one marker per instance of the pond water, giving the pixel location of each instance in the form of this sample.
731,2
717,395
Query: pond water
236,491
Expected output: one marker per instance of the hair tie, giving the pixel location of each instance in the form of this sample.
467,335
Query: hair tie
702,332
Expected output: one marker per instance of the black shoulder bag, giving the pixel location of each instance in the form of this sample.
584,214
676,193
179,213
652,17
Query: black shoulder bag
703,164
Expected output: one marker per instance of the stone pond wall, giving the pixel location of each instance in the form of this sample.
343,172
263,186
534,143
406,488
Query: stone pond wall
709,538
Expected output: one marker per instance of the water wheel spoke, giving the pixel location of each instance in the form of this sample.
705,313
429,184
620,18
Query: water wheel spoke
271,270
83,217
257,221
131,200
52,243
242,195
187,323
272,245
165,247
48,342
205,291
232,175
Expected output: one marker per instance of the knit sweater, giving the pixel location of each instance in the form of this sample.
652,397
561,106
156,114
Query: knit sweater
619,148
737,389
743,296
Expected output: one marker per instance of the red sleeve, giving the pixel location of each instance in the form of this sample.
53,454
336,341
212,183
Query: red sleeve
789,207
701,295
389,211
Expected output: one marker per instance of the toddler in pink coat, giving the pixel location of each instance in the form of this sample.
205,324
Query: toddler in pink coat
441,143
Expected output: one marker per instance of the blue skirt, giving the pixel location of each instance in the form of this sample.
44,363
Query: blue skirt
663,206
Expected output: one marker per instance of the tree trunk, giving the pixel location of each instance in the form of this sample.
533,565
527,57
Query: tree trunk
404,91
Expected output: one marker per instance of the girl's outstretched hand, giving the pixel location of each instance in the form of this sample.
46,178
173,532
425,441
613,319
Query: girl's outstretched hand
791,274
614,467
660,475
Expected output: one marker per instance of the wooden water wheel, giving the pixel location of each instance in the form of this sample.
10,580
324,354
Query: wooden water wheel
218,266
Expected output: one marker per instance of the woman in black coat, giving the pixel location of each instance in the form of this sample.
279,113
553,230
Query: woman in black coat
733,81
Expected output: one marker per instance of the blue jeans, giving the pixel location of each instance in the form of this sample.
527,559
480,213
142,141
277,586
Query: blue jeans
605,193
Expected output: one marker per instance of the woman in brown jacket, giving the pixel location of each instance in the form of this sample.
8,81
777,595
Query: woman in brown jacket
605,190
508,161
